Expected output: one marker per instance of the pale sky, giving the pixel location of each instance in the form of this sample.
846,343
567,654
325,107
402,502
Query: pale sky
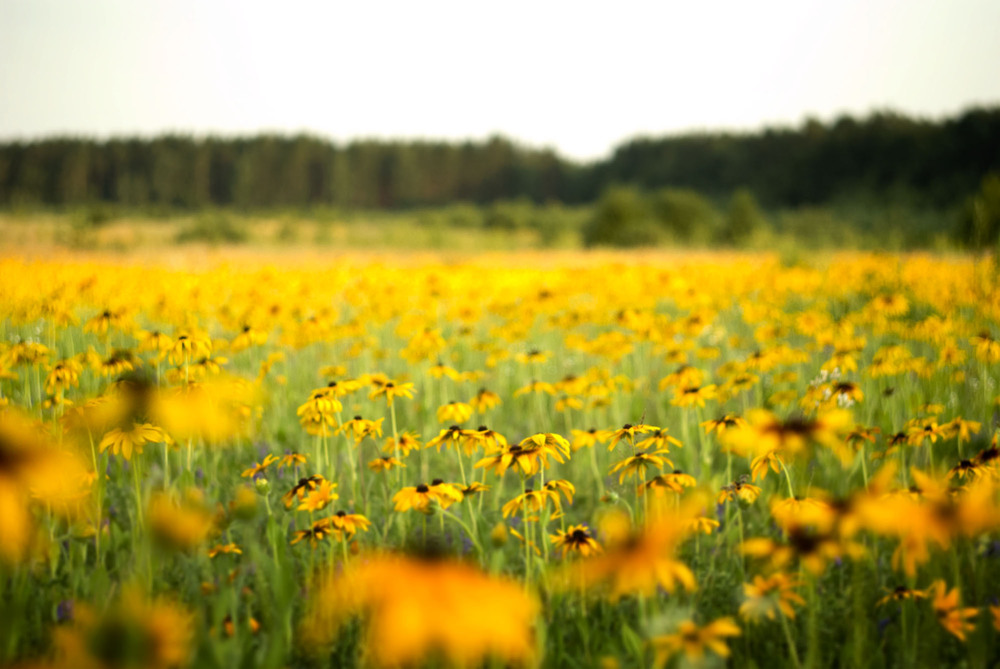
574,76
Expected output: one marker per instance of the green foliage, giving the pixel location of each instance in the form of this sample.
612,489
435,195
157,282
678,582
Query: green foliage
937,163
744,218
979,225
685,215
213,228
622,218
512,215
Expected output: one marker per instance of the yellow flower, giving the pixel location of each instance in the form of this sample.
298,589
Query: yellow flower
588,438
484,401
347,523
421,497
636,562
292,460
259,467
406,442
454,412
628,431
946,608
134,631
181,525
360,428
488,617
124,441
531,500
768,596
317,498
390,390
693,395
227,549
301,489
575,539
636,465
384,464
693,640
528,456
901,593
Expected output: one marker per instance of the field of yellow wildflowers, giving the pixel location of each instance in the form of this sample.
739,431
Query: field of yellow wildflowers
513,460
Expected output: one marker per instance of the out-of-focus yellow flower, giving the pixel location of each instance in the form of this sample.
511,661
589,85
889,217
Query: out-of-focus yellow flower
134,632
488,617
693,640
180,525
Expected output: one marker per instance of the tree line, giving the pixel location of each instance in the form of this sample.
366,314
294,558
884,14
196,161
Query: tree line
937,163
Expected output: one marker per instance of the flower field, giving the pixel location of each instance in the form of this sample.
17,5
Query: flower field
591,460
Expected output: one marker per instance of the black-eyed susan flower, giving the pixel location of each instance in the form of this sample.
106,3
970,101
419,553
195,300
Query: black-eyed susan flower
224,549
385,463
770,596
636,562
901,593
319,497
637,464
588,438
484,401
739,490
473,488
528,456
693,641
301,488
659,440
627,432
359,428
950,615
125,441
404,444
347,523
688,396
531,501
455,412
575,539
422,496
291,459
450,437
260,467
391,390
315,533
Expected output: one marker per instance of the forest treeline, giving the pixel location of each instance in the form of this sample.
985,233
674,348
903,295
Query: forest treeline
933,163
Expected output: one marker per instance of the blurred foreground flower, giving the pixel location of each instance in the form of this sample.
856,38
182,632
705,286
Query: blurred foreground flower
480,616
637,561
134,632
32,469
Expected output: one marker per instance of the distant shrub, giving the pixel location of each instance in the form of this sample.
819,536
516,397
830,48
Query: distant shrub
463,215
93,217
508,215
213,228
686,215
621,218
979,222
744,219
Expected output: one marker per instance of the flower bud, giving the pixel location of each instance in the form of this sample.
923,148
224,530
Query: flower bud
499,535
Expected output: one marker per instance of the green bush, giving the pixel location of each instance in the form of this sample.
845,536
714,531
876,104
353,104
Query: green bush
508,215
213,228
622,218
979,225
686,215
744,219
